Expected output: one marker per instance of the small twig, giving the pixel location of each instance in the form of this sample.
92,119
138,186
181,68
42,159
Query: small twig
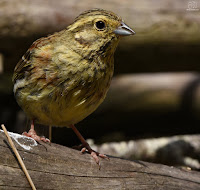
18,157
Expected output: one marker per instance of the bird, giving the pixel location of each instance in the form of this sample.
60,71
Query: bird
64,77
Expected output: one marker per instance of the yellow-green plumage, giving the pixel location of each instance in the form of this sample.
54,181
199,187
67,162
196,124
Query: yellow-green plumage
64,77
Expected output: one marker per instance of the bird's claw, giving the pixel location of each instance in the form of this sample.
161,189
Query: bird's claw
95,155
34,136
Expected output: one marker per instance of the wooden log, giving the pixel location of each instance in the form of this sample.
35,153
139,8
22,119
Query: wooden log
154,92
164,20
58,167
180,150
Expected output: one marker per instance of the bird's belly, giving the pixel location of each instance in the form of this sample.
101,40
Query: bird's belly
60,110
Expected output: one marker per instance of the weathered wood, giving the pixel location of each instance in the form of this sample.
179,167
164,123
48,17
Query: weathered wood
58,167
154,92
180,150
164,20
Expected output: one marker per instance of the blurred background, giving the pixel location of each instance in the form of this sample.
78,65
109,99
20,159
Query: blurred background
156,86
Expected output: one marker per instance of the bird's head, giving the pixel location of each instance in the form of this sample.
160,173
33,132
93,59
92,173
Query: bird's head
98,30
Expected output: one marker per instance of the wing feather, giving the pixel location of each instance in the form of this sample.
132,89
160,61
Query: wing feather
24,65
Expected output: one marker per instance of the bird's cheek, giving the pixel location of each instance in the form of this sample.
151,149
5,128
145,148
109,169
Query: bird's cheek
85,37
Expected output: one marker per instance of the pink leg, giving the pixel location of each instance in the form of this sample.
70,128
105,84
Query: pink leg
32,133
87,147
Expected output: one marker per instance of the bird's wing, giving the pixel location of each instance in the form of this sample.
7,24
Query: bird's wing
22,66
25,65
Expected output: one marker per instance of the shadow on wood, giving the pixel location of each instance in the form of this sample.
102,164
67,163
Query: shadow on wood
59,167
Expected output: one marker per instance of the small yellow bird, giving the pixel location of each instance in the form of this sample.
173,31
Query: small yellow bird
64,77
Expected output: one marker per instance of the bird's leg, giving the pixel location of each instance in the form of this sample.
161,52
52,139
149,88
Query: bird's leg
32,133
50,132
87,147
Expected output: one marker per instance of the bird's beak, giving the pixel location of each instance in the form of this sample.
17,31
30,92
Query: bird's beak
124,30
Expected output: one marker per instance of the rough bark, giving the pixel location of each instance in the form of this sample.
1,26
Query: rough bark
58,167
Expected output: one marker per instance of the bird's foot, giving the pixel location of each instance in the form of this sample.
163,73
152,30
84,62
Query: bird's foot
34,135
95,155
85,147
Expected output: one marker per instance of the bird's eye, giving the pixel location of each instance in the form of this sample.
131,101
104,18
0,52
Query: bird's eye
100,25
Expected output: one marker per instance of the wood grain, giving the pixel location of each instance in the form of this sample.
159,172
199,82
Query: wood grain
58,167
163,20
